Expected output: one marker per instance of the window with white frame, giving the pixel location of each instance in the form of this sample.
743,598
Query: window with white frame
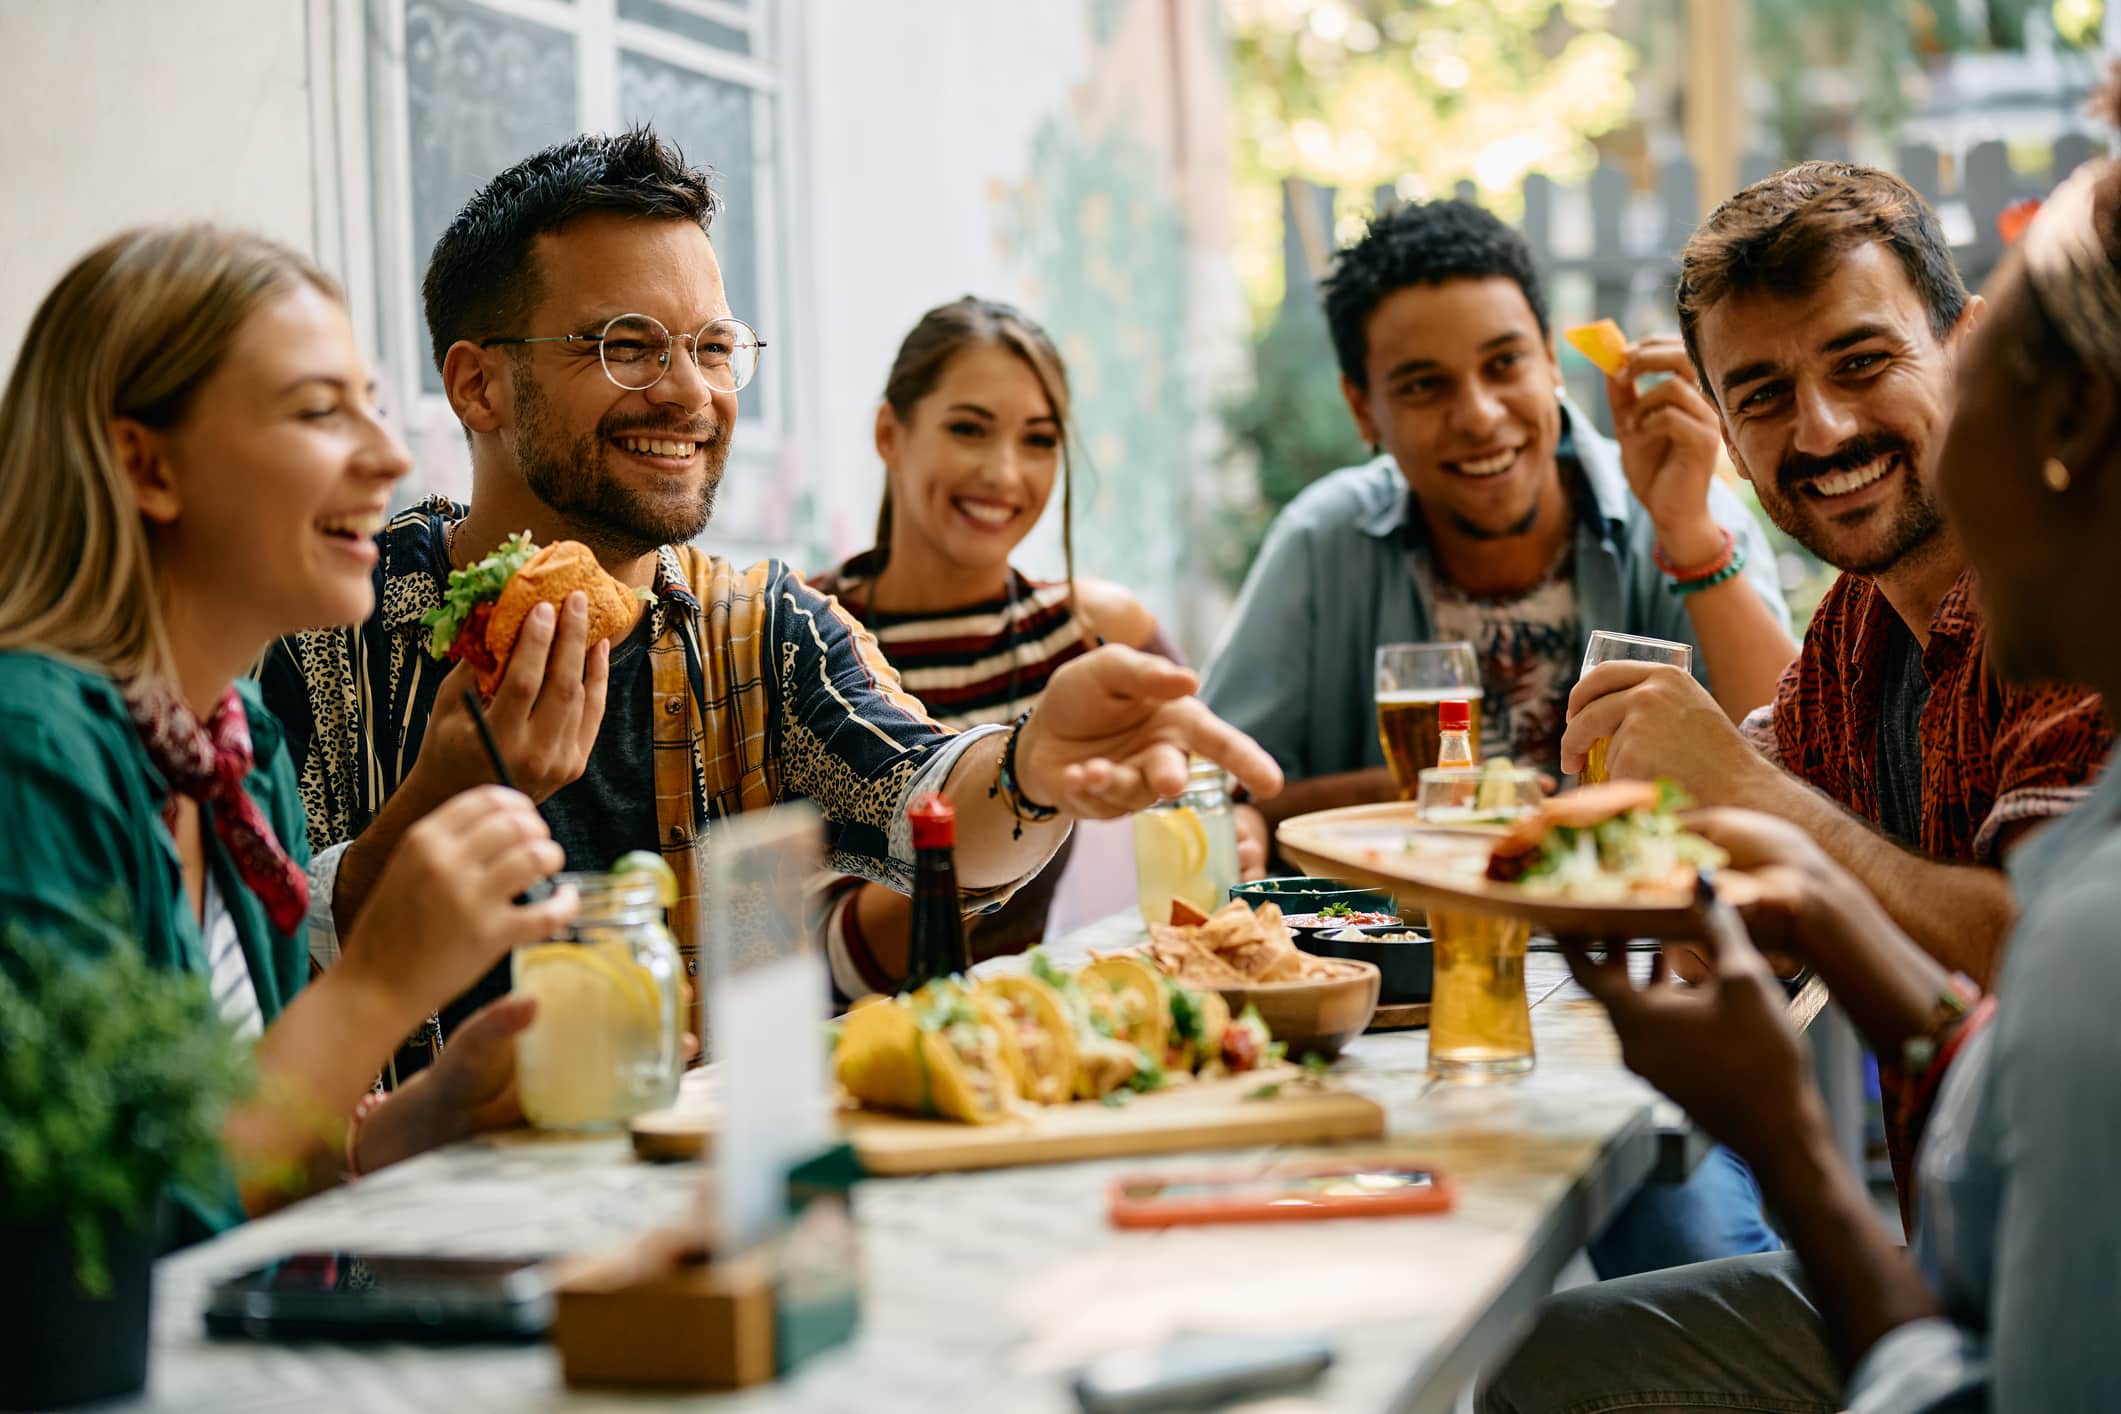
437,96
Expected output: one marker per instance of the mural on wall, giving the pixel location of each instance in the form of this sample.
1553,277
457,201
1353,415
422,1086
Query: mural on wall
1097,232
1103,256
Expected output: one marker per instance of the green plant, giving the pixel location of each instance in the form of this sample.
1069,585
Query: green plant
1294,426
113,1084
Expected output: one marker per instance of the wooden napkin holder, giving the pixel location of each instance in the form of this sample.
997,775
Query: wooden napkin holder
658,1313
662,1312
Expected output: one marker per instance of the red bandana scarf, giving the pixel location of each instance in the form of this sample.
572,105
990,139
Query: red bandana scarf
208,763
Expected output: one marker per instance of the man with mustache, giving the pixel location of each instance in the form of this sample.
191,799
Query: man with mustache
584,341
1825,316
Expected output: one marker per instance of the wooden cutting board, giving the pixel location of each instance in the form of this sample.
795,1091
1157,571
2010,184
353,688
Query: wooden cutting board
1212,1114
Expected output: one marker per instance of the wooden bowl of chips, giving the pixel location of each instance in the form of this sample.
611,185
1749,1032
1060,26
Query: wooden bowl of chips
1319,1014
1313,1005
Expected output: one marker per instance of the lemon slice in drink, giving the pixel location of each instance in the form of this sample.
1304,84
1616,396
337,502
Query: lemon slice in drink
1172,844
645,861
561,976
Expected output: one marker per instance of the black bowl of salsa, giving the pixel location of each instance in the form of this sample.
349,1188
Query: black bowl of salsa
1404,957
1302,894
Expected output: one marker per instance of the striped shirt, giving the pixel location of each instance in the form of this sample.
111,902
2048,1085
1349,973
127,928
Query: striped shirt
976,666
235,999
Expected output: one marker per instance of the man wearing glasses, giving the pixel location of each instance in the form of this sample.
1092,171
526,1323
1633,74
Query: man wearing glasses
584,341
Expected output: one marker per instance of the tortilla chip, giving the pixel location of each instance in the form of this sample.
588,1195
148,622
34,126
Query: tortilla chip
1186,915
1256,944
1602,343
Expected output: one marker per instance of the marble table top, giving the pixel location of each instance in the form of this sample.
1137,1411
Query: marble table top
981,1291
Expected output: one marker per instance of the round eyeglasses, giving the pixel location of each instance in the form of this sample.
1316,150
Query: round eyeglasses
635,351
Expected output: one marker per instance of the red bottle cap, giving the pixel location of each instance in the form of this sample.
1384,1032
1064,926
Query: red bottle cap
934,822
1455,717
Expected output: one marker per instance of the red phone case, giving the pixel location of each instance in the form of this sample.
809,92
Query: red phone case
1192,1208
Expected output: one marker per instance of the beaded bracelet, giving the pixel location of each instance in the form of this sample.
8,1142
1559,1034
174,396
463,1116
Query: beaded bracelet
1682,588
1687,576
1026,810
1732,564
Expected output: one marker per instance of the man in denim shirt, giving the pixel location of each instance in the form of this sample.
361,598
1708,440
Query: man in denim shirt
1495,506
1497,514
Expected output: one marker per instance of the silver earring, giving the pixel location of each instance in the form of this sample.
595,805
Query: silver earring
2056,474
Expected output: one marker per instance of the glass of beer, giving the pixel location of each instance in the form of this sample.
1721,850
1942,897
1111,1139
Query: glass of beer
1609,647
1414,680
1480,1022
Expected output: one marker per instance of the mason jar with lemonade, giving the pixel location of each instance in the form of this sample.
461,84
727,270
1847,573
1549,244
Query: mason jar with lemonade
606,1042
1187,848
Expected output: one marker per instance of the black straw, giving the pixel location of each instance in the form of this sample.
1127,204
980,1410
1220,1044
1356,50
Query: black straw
493,750
542,889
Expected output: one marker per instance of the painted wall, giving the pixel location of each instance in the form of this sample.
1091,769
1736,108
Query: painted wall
125,111
1071,159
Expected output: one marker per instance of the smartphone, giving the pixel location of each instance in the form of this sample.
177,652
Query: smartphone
371,1296
1200,1371
1287,1195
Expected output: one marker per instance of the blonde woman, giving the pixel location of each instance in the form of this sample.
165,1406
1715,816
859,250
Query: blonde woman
191,465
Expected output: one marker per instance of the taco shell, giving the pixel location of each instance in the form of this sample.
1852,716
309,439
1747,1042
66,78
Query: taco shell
888,1058
1046,1069
1110,977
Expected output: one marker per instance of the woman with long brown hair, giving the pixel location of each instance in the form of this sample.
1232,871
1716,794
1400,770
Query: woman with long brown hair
191,465
974,433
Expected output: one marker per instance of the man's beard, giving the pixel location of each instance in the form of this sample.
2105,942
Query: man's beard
576,479
1913,524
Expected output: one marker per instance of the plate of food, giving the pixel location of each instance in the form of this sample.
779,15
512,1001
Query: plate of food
1613,860
982,1051
1248,958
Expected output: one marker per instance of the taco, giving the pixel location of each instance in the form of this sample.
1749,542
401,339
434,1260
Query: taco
1036,1026
1127,1003
940,1051
1104,1061
1197,1021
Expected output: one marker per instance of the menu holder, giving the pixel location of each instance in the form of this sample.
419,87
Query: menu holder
766,1274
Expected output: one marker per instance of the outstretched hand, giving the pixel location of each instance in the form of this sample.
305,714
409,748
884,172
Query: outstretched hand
1722,1048
1112,733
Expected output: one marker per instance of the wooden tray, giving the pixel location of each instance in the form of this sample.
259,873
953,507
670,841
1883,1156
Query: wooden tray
1404,1017
1211,1114
1388,846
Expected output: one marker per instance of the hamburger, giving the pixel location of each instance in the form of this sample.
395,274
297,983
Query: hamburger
483,609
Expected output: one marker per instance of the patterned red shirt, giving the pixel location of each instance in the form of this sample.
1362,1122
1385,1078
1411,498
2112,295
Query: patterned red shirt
1994,754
